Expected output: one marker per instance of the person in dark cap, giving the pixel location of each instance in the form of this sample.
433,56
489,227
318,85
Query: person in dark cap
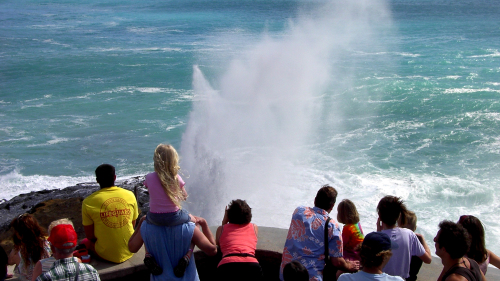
375,253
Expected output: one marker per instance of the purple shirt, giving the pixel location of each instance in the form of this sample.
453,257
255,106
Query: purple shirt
406,245
305,241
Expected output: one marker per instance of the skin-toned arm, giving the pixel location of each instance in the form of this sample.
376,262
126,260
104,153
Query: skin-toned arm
37,270
494,259
427,258
89,232
345,265
204,238
14,257
135,242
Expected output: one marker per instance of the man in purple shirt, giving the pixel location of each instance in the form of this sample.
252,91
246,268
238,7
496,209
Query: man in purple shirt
390,208
305,240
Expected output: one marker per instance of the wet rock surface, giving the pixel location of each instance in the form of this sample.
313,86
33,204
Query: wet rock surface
49,205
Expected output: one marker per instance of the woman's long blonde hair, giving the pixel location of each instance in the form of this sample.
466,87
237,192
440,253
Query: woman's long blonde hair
166,162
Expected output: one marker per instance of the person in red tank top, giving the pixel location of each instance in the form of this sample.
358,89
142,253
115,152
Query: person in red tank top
237,238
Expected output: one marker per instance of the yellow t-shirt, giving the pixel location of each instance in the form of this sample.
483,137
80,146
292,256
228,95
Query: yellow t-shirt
111,210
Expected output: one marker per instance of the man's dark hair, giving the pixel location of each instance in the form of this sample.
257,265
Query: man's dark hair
105,175
454,238
390,208
326,197
238,212
295,271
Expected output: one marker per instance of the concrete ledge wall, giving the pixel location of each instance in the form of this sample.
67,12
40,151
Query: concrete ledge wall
269,249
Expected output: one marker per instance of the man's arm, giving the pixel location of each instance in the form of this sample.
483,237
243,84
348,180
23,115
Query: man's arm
494,259
427,258
135,242
341,263
204,238
89,232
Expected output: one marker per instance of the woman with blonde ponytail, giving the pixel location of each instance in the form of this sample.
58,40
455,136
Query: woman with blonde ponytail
166,193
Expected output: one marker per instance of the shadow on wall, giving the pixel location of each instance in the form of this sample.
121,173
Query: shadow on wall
270,262
207,266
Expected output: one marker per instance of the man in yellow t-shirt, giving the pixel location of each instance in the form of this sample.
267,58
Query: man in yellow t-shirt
108,217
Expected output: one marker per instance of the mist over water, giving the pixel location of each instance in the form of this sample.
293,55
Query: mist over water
256,136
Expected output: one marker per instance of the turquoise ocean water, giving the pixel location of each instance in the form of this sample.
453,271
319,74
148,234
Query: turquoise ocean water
264,100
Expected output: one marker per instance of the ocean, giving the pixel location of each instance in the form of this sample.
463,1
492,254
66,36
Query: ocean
264,100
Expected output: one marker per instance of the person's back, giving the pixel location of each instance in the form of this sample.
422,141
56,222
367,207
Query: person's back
305,240
309,222
108,216
410,223
408,246
389,210
168,245
237,238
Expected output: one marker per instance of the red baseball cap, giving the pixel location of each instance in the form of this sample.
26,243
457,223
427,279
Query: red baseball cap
63,236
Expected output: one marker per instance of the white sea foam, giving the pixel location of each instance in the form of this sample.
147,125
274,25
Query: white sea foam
404,125
469,90
54,140
453,77
35,105
139,50
494,54
493,83
51,41
14,182
408,55
126,89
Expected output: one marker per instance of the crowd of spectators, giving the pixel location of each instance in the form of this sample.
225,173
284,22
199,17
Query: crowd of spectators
316,247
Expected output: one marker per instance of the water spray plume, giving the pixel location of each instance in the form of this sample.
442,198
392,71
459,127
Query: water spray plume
249,138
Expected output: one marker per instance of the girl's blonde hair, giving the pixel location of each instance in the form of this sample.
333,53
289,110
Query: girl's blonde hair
166,161
347,212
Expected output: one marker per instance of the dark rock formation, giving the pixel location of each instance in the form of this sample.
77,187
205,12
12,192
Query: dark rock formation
50,205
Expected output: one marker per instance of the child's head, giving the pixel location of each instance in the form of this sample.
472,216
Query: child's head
166,162
295,271
408,219
166,159
347,212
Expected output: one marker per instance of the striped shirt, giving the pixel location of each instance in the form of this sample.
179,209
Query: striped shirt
65,269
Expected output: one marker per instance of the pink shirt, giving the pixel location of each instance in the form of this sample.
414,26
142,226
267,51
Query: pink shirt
238,238
159,202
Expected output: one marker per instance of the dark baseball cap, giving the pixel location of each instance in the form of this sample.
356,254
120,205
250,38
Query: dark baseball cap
378,241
